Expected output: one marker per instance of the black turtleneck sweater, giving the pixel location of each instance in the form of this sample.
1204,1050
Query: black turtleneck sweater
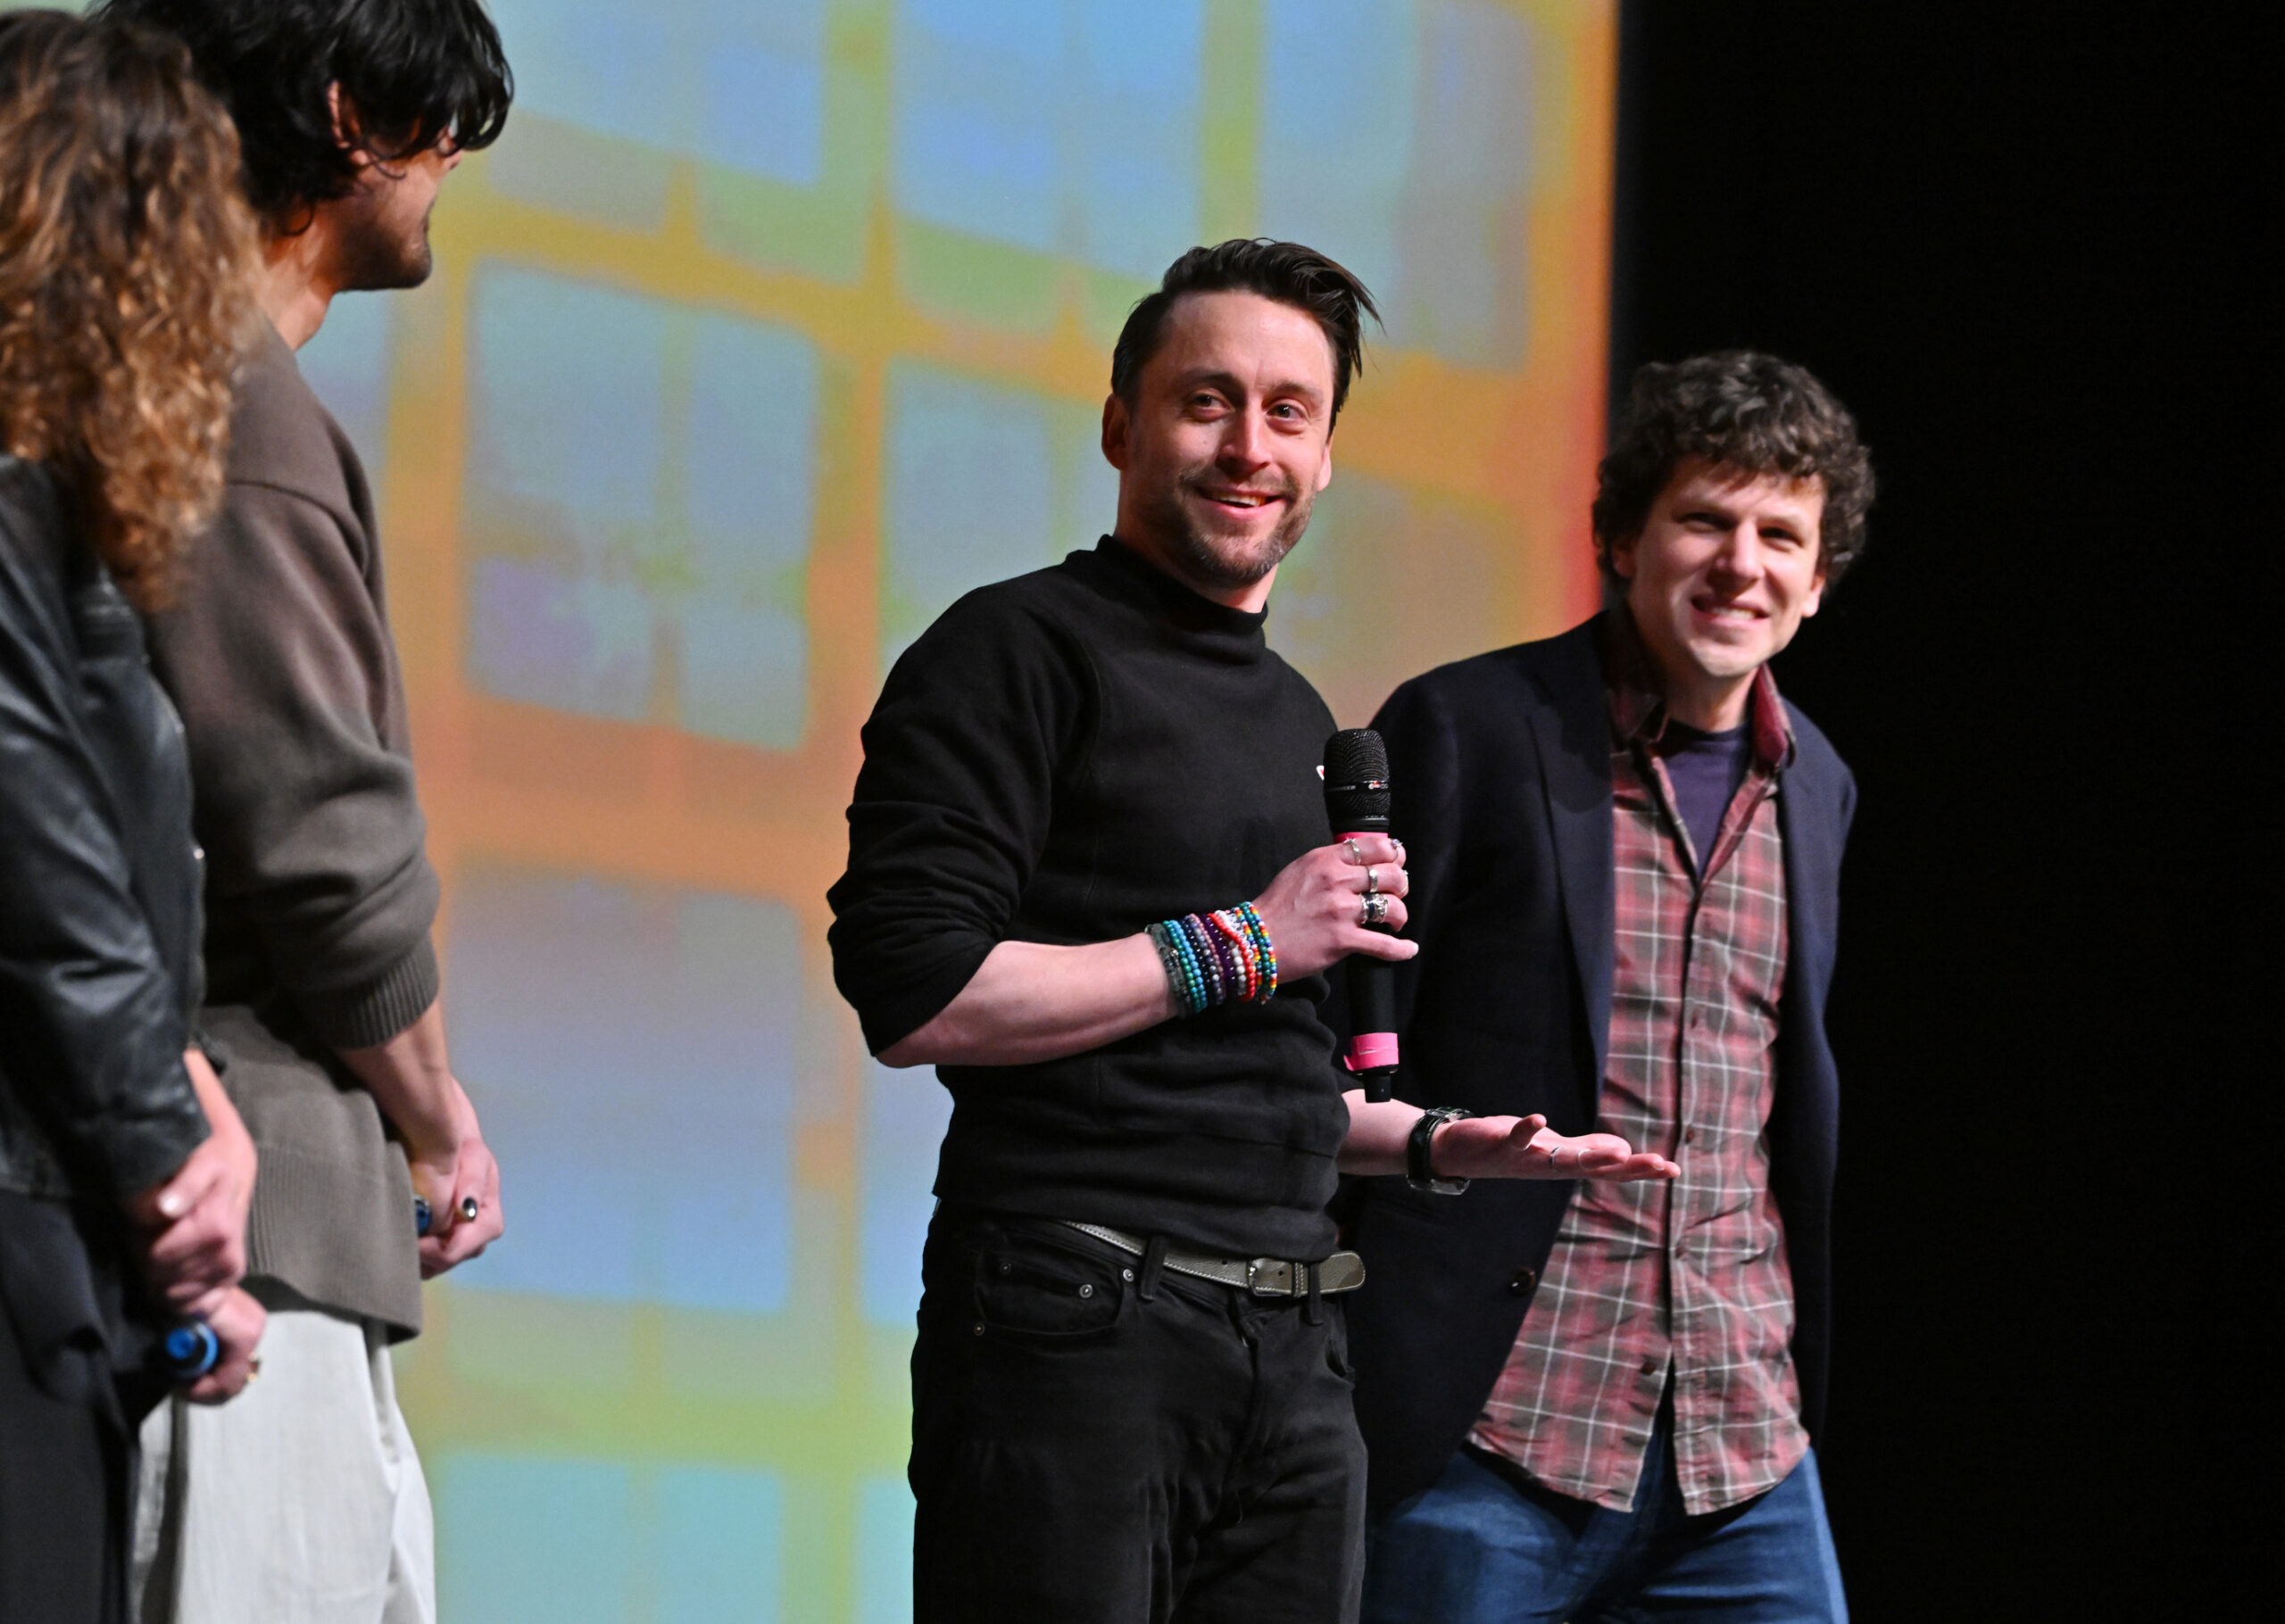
1064,758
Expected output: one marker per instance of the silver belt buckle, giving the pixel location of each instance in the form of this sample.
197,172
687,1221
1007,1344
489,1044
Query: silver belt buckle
1275,1277
1270,1277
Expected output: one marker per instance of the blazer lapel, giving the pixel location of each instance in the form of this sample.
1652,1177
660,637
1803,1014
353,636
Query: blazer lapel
1573,732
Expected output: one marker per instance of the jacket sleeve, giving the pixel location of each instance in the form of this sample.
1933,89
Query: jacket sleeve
91,1026
1427,798
279,657
951,809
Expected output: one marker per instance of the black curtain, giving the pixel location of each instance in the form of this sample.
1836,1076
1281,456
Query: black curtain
2025,245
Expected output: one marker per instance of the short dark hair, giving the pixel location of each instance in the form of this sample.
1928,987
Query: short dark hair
416,73
1736,410
1287,272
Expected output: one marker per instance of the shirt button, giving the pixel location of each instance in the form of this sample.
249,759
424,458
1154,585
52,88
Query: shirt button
1523,1283
1087,1291
1650,1367
1690,1136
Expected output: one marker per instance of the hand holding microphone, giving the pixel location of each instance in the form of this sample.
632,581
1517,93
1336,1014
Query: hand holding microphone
1357,805
1315,909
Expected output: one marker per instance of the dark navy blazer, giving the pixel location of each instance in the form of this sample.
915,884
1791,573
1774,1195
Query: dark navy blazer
1500,767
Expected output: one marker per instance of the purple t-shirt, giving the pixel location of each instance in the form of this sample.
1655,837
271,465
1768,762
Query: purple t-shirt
1706,770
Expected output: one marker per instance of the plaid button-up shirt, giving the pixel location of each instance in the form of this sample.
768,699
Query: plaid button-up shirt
1681,1284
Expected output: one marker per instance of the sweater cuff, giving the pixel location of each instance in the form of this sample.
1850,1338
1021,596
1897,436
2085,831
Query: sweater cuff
369,1015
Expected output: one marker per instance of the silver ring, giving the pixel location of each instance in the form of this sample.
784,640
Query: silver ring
1372,882
468,1209
1349,845
1376,908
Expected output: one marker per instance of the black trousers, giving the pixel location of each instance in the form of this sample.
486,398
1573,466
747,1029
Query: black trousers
68,1419
1090,1443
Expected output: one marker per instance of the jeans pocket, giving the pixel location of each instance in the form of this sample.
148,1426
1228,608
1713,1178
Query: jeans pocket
1029,1286
1336,1348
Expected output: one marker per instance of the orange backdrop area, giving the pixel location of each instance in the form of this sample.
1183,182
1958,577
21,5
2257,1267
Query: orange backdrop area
764,332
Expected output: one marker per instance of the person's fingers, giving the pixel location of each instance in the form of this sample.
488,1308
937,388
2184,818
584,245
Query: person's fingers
471,1236
187,1272
238,1321
467,1240
1359,850
207,1304
1630,1169
1393,912
1396,949
192,1183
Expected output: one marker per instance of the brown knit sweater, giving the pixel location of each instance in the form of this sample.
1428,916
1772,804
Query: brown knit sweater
320,896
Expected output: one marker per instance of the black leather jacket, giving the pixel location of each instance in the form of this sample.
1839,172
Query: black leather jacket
99,879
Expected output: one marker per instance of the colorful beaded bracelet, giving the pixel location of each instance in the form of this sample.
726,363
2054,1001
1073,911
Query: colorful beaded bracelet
1216,959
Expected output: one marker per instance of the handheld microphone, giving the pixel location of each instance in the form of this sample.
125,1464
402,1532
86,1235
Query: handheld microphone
1357,803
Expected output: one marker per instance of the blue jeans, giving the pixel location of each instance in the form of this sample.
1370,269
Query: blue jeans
1485,1544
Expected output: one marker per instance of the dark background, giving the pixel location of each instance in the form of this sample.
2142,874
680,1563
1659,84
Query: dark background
2020,244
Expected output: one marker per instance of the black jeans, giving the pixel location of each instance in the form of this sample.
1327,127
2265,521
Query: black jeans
1092,1444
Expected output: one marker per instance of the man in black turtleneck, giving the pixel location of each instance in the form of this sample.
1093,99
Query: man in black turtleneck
1131,1389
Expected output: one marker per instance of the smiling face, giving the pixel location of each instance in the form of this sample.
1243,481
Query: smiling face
1226,444
1725,567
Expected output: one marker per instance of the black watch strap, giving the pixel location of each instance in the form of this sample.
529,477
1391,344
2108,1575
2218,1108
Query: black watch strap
1417,1173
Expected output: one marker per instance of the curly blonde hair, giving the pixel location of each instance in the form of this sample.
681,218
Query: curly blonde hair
125,283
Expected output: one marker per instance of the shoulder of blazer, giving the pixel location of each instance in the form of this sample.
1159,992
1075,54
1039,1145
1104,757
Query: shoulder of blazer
1818,775
1551,670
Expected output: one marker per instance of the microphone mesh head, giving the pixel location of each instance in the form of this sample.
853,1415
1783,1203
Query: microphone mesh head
1354,755
1355,781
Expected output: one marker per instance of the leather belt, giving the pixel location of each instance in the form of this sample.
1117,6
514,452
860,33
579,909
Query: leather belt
1262,1276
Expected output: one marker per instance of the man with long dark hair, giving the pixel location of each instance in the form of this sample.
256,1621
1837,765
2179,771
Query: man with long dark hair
1597,1403
306,1501
125,262
1089,879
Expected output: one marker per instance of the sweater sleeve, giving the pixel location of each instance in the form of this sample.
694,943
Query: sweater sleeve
279,660
952,806
90,1025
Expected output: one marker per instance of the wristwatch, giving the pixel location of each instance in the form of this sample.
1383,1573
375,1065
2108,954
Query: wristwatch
1417,1173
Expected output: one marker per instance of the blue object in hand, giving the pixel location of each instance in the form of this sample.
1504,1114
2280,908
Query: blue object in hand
190,1350
420,1216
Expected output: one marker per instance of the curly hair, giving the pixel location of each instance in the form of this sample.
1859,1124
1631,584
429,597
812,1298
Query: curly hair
125,283
413,74
1736,410
1286,272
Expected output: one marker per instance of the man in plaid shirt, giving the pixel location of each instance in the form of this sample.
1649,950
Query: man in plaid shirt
1588,1401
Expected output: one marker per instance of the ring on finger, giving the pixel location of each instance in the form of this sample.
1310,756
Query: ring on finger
1375,909
1349,845
1372,880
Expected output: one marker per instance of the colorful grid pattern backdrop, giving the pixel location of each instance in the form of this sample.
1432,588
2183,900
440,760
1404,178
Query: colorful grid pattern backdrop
767,330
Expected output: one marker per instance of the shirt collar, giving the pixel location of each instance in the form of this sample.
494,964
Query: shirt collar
1638,710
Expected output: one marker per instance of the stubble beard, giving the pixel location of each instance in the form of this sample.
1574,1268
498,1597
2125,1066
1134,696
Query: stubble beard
1224,567
379,254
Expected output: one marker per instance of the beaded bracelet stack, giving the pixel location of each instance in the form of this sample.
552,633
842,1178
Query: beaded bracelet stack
1214,958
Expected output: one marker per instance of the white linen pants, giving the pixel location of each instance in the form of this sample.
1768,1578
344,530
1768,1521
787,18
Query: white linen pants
299,1502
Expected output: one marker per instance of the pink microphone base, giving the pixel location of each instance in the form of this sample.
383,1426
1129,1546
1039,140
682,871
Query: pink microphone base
1368,1051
